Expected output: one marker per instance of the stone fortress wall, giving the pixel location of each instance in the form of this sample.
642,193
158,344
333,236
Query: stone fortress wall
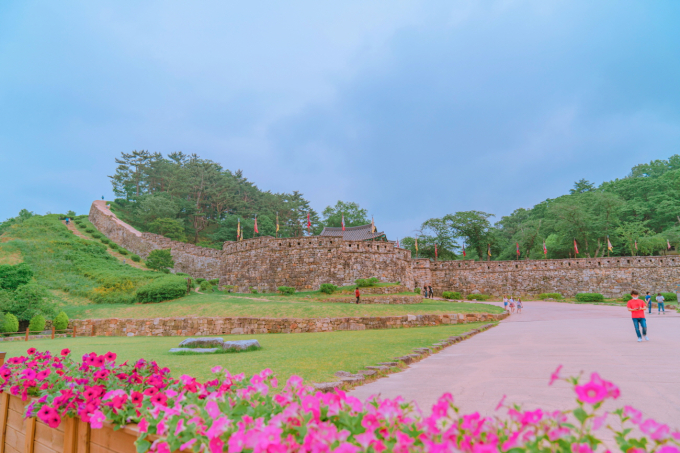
305,263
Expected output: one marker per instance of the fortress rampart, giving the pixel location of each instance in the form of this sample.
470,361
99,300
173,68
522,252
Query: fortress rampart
266,263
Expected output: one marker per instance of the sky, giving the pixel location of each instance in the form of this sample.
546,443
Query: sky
411,109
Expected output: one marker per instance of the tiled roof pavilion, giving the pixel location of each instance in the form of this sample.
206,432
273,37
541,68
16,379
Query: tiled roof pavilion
357,233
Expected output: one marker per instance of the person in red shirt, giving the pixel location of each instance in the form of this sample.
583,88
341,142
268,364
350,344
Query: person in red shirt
357,293
636,307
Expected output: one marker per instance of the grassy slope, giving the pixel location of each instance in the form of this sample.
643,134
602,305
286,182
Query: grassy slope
266,306
314,356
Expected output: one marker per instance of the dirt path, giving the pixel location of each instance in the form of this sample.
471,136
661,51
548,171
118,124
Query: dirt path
126,259
517,357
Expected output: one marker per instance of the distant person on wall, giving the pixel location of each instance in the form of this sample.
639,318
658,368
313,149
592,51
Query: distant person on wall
425,291
660,303
67,220
358,294
519,305
648,299
505,302
637,310
431,292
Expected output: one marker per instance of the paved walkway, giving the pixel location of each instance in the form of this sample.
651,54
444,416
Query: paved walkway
517,357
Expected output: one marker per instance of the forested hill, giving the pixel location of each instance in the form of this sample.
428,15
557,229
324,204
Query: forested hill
187,198
643,206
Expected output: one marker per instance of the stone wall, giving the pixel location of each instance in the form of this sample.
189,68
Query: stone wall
193,326
612,276
385,299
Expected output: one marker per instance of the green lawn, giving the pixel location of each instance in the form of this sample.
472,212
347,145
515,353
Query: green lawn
265,306
314,356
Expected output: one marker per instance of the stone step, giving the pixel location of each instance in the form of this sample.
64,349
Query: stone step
388,364
327,386
378,368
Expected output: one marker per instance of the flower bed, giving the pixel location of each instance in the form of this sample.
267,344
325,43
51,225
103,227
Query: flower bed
98,405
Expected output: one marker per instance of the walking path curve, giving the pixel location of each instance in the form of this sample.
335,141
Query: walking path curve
517,357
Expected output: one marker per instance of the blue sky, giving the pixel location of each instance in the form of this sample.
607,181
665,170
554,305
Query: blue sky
412,109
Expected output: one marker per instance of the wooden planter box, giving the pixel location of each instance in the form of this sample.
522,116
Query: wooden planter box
19,435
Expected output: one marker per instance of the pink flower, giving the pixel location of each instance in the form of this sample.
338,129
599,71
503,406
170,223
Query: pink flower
216,445
657,431
42,375
599,421
31,351
110,356
163,447
97,419
591,393
581,448
668,449
187,445
634,414
555,376
65,352
500,403
143,426
346,448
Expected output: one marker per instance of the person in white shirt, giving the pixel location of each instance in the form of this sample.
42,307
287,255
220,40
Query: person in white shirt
660,304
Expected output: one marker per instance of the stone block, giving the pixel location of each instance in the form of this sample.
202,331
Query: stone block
240,345
202,342
195,350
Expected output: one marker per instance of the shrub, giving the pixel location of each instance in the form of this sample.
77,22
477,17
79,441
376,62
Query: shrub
543,296
123,252
30,300
10,323
89,230
366,282
478,297
452,295
670,297
170,228
589,297
253,290
13,276
328,288
105,240
135,258
625,298
160,260
60,322
81,225
206,286
227,288
200,280
163,288
37,323
286,290
97,235
215,281
417,290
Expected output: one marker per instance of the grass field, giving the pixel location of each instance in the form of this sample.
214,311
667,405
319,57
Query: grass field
314,356
265,306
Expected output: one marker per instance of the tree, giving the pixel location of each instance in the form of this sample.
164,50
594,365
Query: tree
30,300
474,227
582,186
170,228
13,276
353,213
632,232
160,260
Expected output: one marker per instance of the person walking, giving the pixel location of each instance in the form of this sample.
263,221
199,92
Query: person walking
505,303
637,311
512,305
660,306
648,299
431,292
519,305
358,295
425,291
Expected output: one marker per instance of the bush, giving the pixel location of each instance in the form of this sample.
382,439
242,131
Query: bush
123,252
10,323
160,260
452,295
215,281
328,288
81,225
478,297
37,323
625,298
163,288
97,235
135,258
206,286
60,322
544,296
286,290
89,230
105,240
200,280
670,297
417,290
589,297
366,282
30,300
13,276
253,290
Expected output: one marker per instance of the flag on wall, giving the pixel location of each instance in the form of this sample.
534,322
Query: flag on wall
668,243
277,224
488,249
343,222
309,223
517,243
636,244
256,225
545,250
372,225
238,230
397,242
609,244
435,251
464,254
575,247
416,245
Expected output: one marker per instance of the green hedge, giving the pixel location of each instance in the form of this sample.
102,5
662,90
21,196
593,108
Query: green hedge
135,258
10,323
366,282
163,288
670,297
286,290
452,295
626,297
544,296
478,297
589,297
328,288
37,323
60,322
206,286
